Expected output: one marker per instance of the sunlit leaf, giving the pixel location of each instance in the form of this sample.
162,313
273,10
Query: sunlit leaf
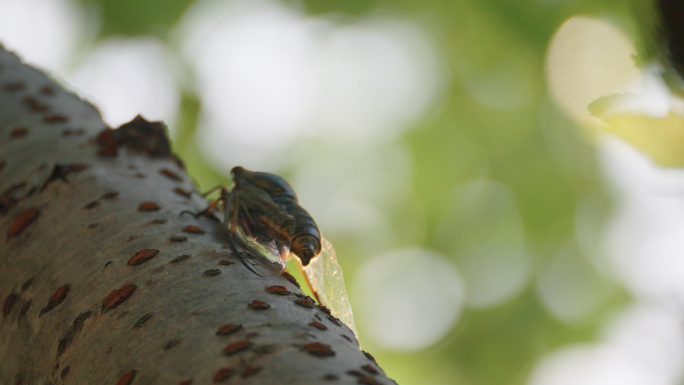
661,138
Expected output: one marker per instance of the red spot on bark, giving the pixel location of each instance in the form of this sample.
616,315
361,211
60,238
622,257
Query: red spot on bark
127,378
108,152
250,371
24,309
93,225
55,118
318,325
228,329
14,86
181,192
64,372
290,278
369,369
180,258
330,377
110,195
142,256
318,349
27,284
159,221
369,356
324,309
58,297
258,305
264,350
171,344
347,338
211,272
193,230
170,174
148,206
18,132
222,375
91,205
34,105
9,302
2,164
69,132
47,90
22,221
355,373
118,296
334,320
186,382
178,238
279,290
38,107
368,381
225,262
305,302
133,238
236,347
142,320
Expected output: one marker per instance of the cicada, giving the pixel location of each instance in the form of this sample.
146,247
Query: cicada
262,212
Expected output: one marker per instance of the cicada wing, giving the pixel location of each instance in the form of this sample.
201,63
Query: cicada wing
261,225
324,274
257,258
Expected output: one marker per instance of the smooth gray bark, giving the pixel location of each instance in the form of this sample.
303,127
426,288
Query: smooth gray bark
103,282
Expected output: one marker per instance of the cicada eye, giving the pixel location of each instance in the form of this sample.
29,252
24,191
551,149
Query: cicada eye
237,170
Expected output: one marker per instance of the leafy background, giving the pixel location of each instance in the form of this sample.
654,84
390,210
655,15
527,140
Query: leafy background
489,230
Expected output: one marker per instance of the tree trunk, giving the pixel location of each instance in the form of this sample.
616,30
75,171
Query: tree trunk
102,281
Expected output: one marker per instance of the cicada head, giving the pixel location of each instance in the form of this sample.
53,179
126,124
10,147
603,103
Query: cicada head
306,247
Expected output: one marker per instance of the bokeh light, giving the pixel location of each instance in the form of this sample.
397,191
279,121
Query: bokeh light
643,237
570,287
271,77
408,299
126,77
589,58
641,346
47,33
484,233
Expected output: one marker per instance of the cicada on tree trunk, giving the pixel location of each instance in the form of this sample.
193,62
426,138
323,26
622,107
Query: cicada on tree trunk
264,219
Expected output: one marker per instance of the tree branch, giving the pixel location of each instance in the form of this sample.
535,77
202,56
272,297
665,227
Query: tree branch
102,281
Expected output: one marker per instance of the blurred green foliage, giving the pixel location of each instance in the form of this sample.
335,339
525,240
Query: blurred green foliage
462,141
135,17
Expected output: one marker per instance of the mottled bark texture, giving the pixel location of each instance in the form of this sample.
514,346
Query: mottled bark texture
102,281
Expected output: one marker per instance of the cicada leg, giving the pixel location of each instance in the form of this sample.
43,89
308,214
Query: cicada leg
211,191
310,284
223,198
